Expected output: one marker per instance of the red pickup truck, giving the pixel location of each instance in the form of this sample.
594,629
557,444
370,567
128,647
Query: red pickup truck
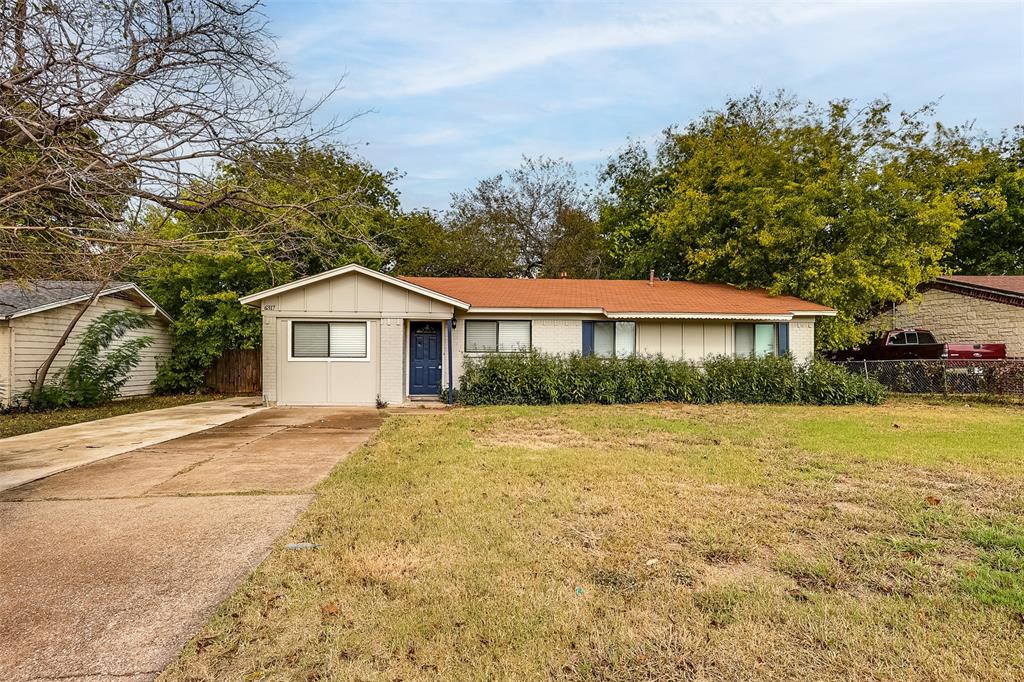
919,344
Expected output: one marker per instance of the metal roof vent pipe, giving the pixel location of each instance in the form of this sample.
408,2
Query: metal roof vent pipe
651,281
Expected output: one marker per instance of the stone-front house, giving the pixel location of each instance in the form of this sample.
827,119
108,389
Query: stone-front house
967,309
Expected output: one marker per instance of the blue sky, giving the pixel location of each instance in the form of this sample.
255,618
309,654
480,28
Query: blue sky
457,91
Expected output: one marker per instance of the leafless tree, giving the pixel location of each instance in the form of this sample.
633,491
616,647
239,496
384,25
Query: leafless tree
542,211
109,108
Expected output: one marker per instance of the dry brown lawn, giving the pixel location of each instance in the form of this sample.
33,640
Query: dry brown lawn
649,542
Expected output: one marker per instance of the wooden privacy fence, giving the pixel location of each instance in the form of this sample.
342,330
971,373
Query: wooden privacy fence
236,371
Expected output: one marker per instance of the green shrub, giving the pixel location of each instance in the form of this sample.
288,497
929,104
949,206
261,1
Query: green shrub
538,379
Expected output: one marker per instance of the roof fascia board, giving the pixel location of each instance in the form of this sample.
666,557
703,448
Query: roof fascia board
815,313
774,317
554,311
345,269
977,287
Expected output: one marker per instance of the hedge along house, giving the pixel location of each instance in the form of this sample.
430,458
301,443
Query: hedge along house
351,336
34,315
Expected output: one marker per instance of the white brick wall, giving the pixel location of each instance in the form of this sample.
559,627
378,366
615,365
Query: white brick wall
269,359
558,337
801,338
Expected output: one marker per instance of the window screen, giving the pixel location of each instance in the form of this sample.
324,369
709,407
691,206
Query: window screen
764,339
744,340
513,336
348,339
481,337
328,339
625,339
309,339
604,339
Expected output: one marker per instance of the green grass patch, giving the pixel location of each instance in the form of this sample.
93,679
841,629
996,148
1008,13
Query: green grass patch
647,542
999,579
17,423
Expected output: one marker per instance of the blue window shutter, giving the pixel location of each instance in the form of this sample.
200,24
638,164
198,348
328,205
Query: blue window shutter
783,338
588,338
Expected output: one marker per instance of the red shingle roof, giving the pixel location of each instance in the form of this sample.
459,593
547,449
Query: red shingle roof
615,296
1011,284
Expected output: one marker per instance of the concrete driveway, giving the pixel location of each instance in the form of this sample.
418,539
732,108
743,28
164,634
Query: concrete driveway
107,569
35,455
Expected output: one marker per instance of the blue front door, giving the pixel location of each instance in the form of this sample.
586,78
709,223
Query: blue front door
425,358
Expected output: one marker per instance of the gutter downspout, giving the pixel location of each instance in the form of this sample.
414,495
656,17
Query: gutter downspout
451,386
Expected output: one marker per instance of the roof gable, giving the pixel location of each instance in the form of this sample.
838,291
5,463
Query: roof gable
329,274
18,300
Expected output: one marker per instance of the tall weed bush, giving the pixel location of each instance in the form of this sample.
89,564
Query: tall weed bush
538,379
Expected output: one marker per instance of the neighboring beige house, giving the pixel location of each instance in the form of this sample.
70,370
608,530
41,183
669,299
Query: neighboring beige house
34,315
352,335
966,309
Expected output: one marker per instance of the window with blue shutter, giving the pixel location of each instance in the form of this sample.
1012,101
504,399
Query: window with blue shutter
783,338
609,339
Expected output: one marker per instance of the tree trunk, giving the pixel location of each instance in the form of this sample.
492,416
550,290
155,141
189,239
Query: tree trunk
20,18
44,369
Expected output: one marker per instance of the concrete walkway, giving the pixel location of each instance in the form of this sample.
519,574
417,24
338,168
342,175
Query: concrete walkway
108,569
43,453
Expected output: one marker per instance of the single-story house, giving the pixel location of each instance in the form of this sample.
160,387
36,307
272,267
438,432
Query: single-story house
34,315
352,335
965,309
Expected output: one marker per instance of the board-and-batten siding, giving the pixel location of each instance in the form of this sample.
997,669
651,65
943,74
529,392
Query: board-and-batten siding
696,341
33,337
351,296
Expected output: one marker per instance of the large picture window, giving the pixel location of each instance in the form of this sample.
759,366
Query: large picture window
498,336
609,339
325,340
761,339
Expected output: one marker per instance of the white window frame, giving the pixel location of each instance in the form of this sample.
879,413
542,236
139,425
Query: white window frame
292,358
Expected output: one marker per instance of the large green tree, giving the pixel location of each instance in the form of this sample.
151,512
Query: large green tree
990,189
846,206
350,213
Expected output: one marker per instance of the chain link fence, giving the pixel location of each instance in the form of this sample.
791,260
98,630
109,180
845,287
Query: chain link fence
949,377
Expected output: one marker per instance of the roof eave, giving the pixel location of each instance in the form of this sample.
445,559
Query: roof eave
773,317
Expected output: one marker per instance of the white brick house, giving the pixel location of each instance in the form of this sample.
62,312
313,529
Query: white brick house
352,335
